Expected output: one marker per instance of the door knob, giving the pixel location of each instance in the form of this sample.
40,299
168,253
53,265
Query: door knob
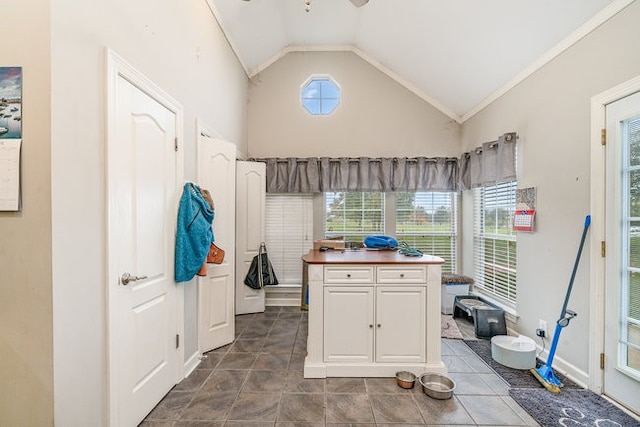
126,278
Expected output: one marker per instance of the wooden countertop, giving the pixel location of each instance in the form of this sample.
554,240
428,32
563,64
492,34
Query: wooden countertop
363,256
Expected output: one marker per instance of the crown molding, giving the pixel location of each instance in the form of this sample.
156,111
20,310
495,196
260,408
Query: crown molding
603,16
376,64
227,34
296,48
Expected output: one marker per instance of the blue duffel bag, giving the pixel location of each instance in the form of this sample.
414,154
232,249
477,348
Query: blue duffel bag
380,242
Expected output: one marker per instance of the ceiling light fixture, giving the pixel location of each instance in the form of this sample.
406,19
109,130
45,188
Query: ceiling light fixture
356,3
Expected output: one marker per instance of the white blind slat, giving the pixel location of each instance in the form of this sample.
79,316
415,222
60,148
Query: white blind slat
424,220
495,240
353,215
428,222
289,234
630,260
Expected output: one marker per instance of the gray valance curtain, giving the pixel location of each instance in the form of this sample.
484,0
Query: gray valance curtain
493,163
314,175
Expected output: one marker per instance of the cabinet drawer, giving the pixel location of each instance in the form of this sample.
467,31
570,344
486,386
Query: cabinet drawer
348,275
404,274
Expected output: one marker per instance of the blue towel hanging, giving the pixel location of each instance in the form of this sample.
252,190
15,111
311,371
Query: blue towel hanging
194,233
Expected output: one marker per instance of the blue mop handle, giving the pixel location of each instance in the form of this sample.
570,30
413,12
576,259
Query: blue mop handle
559,325
554,344
587,223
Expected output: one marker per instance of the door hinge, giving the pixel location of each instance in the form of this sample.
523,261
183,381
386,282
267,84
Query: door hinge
175,145
177,341
603,249
603,137
601,360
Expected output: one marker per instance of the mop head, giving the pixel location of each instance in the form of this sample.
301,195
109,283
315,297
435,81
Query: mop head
544,374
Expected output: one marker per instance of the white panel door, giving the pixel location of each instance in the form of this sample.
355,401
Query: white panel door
144,359
400,324
217,173
251,190
622,293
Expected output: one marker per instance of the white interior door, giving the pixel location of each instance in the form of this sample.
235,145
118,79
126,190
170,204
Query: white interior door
251,190
143,190
217,173
622,293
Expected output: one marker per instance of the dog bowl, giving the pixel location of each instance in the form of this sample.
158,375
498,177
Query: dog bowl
437,386
405,379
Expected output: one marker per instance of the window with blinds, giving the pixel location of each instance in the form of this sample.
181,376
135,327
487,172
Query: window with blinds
629,287
428,221
289,234
495,241
353,215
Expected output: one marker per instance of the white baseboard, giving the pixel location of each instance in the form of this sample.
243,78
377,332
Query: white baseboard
560,365
192,363
281,302
282,295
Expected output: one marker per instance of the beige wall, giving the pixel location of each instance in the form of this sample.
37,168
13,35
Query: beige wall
377,116
26,344
551,113
55,248
179,47
550,110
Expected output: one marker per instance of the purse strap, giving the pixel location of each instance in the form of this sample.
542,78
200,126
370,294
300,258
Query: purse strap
261,250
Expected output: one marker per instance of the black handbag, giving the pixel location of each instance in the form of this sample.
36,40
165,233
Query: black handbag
260,271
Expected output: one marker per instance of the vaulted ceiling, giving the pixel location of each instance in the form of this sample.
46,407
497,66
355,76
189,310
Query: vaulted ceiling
459,55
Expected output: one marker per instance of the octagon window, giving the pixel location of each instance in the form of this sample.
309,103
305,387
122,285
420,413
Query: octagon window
320,95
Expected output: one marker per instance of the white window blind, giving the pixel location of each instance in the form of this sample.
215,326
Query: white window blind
428,221
353,215
289,234
495,241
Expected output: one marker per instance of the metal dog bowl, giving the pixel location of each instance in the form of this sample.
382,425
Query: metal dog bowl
405,379
437,386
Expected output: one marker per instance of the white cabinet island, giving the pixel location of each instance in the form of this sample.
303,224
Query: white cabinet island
372,313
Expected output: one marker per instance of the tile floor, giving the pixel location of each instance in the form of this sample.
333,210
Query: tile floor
257,381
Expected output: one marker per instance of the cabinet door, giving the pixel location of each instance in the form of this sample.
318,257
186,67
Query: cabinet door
348,324
401,323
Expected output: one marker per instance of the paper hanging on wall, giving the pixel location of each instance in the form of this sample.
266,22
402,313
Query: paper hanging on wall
10,174
523,220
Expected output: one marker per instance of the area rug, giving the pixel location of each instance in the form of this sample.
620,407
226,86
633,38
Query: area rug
571,407
516,378
449,328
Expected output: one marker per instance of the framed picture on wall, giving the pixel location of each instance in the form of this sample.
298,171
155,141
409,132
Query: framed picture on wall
10,137
10,102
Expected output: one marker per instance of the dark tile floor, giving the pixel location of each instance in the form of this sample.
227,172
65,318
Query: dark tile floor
257,381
